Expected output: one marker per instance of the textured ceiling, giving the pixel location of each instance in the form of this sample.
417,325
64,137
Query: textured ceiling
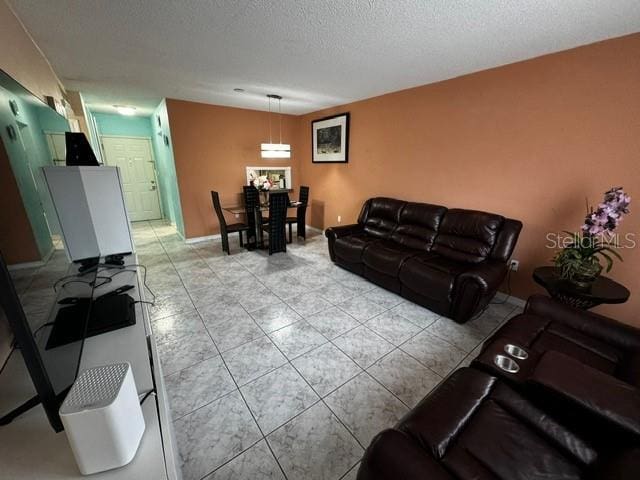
315,53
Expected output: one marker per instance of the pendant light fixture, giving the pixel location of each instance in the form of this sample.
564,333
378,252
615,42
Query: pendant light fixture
275,150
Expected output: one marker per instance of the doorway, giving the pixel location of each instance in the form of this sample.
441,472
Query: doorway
134,157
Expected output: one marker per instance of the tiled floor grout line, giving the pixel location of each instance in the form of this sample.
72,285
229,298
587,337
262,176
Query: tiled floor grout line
365,369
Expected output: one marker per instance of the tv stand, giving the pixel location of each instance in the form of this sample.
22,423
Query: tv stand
31,448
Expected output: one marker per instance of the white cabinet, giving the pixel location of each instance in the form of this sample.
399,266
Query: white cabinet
90,206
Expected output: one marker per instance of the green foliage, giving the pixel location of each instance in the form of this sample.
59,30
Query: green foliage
581,258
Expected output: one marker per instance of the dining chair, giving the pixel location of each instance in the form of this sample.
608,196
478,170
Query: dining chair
301,216
252,210
278,203
226,229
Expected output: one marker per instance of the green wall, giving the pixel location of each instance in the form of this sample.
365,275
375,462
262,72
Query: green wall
167,177
133,126
27,154
142,126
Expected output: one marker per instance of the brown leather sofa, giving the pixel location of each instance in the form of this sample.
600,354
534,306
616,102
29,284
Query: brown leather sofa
571,411
600,342
474,426
451,261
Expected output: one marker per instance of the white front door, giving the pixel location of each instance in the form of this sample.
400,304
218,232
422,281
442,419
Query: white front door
133,157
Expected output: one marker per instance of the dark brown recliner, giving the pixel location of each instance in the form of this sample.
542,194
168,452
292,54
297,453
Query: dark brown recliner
594,340
473,426
450,261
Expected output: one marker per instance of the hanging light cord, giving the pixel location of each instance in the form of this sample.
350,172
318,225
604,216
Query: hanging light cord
270,139
280,120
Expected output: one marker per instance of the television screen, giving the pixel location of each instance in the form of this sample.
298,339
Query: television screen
44,313
32,137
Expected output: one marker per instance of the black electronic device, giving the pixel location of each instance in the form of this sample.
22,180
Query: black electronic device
79,151
117,260
109,312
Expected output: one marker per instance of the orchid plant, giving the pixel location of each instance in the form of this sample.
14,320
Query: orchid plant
579,261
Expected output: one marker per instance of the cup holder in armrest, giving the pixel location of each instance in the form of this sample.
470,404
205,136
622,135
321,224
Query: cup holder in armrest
516,351
507,364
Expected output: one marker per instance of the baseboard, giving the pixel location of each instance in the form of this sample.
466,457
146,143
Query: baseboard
175,225
201,239
314,229
516,301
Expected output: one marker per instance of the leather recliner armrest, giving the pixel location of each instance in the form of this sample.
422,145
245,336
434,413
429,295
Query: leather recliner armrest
594,392
488,275
343,230
393,455
475,287
592,324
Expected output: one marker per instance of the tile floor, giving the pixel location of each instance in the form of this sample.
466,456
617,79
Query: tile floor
286,366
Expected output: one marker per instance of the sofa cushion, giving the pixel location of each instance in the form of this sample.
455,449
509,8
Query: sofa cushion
629,369
467,235
431,275
418,225
381,216
350,248
387,256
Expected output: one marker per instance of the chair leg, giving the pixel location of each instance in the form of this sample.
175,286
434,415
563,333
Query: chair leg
225,243
290,233
241,242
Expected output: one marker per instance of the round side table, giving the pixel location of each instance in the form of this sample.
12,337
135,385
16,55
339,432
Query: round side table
603,290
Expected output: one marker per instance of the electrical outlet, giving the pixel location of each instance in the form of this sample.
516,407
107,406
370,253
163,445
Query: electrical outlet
339,218
513,265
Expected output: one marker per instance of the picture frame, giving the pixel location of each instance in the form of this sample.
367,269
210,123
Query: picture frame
330,139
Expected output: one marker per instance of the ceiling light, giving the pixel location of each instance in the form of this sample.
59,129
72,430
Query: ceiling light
124,110
275,150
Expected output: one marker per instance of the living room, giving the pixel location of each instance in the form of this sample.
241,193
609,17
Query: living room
371,240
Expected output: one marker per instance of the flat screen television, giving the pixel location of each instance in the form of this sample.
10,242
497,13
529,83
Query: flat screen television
32,317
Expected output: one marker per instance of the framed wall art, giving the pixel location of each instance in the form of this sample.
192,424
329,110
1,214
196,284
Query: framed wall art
330,139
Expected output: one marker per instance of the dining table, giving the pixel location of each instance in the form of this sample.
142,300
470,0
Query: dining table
264,207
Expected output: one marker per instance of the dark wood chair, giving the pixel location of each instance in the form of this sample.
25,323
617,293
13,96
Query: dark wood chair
226,229
252,210
278,203
301,216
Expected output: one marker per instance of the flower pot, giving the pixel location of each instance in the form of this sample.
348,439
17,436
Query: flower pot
586,273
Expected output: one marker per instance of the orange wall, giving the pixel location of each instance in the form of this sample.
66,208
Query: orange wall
212,145
529,140
17,242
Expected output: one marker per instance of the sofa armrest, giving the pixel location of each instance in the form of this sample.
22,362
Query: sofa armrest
592,391
393,454
488,275
333,233
475,288
592,324
343,230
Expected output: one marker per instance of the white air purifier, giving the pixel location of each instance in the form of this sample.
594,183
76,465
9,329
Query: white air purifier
102,418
